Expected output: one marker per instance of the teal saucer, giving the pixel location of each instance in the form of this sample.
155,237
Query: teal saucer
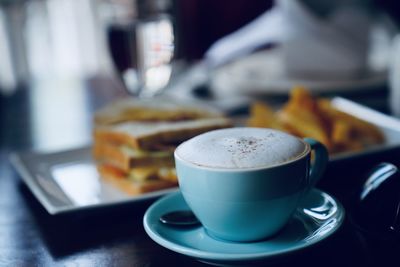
319,218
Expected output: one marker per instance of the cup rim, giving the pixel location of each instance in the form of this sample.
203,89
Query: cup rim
307,150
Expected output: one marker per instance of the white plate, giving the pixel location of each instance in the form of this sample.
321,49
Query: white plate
264,73
67,181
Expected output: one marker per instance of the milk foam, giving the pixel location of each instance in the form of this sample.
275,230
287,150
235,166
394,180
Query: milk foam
237,148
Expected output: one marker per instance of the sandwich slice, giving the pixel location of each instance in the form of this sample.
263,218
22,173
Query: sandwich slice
126,158
152,135
152,109
137,156
131,185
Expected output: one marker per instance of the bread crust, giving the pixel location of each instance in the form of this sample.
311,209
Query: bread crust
166,133
154,109
114,155
118,179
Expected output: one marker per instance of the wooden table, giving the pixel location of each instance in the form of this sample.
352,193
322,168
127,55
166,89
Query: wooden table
29,236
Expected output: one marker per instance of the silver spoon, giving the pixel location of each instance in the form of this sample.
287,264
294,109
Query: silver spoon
179,218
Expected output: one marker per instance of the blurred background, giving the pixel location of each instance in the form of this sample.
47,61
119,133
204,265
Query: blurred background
51,49
68,38
63,39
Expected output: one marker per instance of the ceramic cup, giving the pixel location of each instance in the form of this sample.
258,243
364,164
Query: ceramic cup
244,184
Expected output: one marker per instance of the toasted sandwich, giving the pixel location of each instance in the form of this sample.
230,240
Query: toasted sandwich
152,109
151,135
135,153
133,186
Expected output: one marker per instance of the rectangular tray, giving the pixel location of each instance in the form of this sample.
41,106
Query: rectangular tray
68,181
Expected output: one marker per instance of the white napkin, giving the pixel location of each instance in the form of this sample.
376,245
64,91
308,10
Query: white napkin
334,46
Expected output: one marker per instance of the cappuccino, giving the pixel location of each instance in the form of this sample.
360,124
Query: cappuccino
241,148
244,184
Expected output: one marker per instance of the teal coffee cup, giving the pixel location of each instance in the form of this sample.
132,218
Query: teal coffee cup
244,184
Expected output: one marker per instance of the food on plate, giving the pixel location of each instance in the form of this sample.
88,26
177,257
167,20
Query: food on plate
151,109
356,130
302,117
306,116
136,153
120,180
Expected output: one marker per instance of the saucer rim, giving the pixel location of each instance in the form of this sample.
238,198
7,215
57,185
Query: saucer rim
226,257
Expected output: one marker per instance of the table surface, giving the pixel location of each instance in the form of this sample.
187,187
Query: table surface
60,118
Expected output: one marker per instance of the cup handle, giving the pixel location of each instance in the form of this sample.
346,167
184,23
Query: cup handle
321,158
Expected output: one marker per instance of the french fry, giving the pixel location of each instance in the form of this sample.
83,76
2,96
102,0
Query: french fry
305,116
303,124
367,132
343,137
261,115
301,114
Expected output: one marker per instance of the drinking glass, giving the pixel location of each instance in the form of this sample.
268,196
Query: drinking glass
142,49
